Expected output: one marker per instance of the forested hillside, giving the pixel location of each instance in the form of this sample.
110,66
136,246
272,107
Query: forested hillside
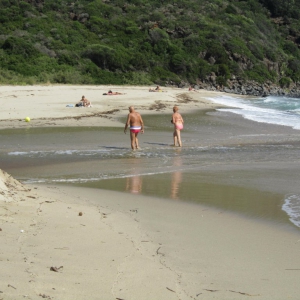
150,41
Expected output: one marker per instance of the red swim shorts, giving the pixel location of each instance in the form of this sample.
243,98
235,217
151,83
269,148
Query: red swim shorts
135,129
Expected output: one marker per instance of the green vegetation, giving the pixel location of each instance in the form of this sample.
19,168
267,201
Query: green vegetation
149,41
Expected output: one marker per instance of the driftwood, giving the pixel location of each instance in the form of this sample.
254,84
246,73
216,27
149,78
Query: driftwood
55,269
9,285
245,294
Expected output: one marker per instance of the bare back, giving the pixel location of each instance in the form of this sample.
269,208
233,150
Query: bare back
134,119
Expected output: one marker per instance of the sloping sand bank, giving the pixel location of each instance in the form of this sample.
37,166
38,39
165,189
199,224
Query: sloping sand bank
76,243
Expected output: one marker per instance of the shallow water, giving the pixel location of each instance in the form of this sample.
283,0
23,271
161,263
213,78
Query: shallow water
225,163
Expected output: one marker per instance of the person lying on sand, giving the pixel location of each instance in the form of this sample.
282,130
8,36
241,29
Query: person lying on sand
191,89
83,102
110,92
157,89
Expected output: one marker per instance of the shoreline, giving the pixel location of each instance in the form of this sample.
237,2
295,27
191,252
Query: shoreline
126,246
135,247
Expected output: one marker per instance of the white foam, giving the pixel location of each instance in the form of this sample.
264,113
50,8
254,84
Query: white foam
60,152
16,153
68,152
292,207
250,110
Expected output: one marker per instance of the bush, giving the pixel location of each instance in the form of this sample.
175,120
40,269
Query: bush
237,45
140,61
291,49
259,73
98,8
271,54
25,6
223,70
285,82
161,48
157,35
217,51
294,65
163,76
194,44
137,78
70,77
18,46
178,63
204,69
293,69
256,50
68,58
106,57
230,9
221,80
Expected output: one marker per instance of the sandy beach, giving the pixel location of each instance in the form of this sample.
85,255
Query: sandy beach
49,105
64,242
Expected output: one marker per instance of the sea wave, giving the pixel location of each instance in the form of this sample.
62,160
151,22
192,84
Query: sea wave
77,180
57,152
292,207
272,110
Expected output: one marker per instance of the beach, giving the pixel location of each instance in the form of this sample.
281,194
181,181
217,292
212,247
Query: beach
49,105
94,220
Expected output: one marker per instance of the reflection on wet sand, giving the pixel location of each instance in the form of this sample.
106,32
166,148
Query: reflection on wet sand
134,182
176,177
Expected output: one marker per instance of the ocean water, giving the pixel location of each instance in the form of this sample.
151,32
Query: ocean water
224,163
273,109
277,110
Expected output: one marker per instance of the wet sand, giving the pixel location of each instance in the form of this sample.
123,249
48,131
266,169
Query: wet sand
126,246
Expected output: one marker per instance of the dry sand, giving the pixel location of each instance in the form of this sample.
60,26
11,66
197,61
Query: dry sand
75,243
48,105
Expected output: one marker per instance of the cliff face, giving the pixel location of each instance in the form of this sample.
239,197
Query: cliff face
142,42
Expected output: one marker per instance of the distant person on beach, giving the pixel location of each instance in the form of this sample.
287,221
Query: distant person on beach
83,102
177,120
157,89
191,89
110,92
136,125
